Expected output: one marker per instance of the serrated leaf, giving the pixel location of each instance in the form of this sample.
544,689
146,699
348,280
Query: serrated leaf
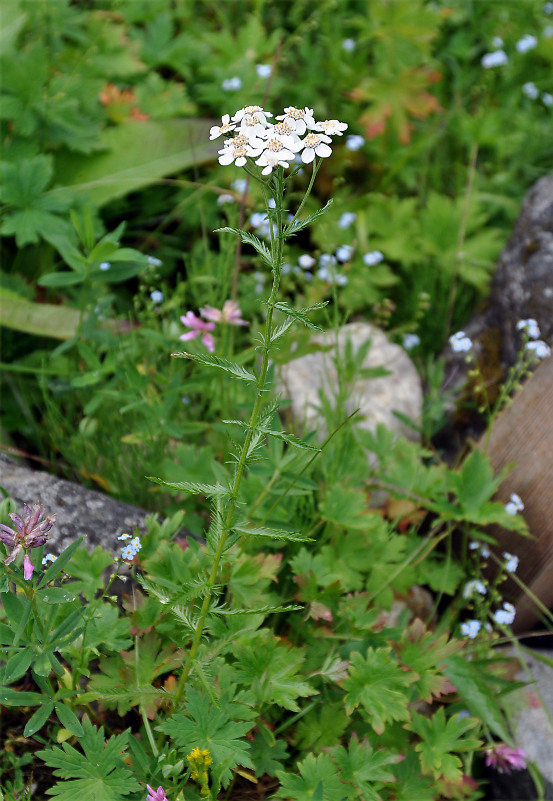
264,610
291,439
211,490
298,225
377,683
98,774
315,776
222,364
270,533
363,769
251,239
440,739
301,314
281,329
204,726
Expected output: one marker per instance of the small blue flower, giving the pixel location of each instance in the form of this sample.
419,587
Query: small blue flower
460,342
128,553
514,504
411,341
495,59
472,586
348,45
512,562
306,261
505,616
347,218
470,628
354,142
124,537
154,262
547,99
528,42
225,197
263,70
530,90
240,185
530,328
344,252
539,348
105,265
373,257
231,84
157,296
49,557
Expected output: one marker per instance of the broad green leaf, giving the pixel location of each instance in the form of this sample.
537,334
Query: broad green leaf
365,770
476,692
252,240
61,279
11,697
41,319
54,570
441,740
98,774
68,719
56,595
18,664
314,777
378,683
38,719
223,364
136,154
12,21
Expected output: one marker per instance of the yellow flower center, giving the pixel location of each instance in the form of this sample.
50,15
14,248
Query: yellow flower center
312,140
275,145
296,113
282,128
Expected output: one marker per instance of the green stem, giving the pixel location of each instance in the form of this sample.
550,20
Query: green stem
277,243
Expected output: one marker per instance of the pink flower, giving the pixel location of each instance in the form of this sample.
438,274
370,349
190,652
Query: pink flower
199,328
28,568
230,314
29,532
502,757
156,795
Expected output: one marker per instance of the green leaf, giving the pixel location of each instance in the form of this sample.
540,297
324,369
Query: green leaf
68,719
301,314
269,668
61,279
252,240
472,684
135,155
317,776
298,225
18,664
98,774
41,319
270,533
291,439
377,683
223,364
364,769
439,740
427,653
54,570
11,697
38,719
87,568
211,490
204,726
56,595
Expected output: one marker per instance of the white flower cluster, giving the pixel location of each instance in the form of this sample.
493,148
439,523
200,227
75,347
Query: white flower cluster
130,549
514,504
275,144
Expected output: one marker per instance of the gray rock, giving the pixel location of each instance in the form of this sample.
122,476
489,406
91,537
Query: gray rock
79,511
305,378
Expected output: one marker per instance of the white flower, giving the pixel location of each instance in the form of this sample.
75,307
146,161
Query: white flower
539,348
219,130
514,504
315,145
263,70
495,59
546,98
528,42
530,90
231,84
249,110
270,159
506,615
238,149
105,265
344,253
460,342
348,45
156,296
470,628
299,119
411,341
472,586
306,261
512,562
347,218
530,327
373,257
332,127
354,142
254,125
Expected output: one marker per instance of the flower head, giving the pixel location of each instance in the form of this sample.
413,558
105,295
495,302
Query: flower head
460,342
470,628
528,42
530,90
511,562
473,586
219,130
231,84
344,252
306,261
157,296
105,265
299,119
153,261
514,504
348,45
539,349
332,127
372,258
354,142
230,314
156,795
347,218
502,757
198,328
530,327
263,70
495,59
411,341
48,557
30,531
505,616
